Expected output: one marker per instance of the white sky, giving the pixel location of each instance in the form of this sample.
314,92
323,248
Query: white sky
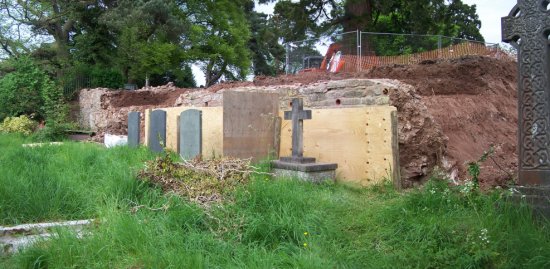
489,11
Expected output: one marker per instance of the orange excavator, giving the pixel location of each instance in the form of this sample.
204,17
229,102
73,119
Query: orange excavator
332,62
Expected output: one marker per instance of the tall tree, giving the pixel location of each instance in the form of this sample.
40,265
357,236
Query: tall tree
148,35
45,18
268,55
218,38
310,18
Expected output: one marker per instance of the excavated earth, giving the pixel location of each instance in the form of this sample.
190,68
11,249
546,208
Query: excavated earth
456,110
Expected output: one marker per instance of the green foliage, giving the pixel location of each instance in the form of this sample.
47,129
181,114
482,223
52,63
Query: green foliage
269,224
83,75
268,56
310,18
22,125
474,167
29,91
106,78
219,35
53,132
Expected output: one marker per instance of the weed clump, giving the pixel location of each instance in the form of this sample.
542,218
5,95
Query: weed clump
22,125
199,180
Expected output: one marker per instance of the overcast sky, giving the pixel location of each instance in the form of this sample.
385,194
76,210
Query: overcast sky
489,11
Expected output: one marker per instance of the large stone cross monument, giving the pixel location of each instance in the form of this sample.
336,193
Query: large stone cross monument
298,166
298,115
527,28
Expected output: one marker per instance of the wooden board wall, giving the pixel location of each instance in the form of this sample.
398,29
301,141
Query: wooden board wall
358,139
212,129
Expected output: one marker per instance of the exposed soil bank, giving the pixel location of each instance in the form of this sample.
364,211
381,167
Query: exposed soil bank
454,111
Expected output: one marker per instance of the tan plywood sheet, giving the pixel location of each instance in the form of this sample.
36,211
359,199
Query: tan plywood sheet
249,124
212,129
358,139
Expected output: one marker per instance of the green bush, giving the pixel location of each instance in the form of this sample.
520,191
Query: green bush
28,90
22,125
107,78
53,132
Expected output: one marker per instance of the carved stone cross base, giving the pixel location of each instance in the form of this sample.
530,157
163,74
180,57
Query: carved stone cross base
298,166
537,197
312,172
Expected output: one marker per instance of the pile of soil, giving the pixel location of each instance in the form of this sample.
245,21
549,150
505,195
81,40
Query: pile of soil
153,96
472,100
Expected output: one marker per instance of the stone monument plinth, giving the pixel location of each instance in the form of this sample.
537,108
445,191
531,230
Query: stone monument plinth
298,166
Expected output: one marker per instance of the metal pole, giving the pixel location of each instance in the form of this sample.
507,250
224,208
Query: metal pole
287,63
439,45
359,65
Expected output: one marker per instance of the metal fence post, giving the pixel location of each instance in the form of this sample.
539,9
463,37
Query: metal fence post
359,53
287,60
439,46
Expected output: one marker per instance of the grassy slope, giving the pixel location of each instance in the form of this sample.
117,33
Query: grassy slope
71,181
270,224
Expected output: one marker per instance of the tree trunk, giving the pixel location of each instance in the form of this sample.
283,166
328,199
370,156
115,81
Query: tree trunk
357,15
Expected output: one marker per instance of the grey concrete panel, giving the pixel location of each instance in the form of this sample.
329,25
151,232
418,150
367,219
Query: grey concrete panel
134,119
190,134
157,131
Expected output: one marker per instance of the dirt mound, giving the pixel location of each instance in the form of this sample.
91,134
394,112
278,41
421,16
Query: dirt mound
156,96
473,100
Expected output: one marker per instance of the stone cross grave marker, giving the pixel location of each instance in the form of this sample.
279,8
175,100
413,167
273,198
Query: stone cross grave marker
298,115
298,166
133,129
157,131
190,133
527,28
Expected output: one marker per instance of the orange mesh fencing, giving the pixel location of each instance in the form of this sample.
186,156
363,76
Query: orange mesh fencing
354,63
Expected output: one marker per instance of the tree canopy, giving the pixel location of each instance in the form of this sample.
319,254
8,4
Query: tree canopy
127,41
311,18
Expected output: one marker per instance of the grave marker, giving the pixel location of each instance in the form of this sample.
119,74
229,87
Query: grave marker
134,129
298,115
527,28
157,131
190,134
297,165
249,120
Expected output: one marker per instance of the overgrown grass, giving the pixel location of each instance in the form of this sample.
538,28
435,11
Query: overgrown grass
71,181
289,224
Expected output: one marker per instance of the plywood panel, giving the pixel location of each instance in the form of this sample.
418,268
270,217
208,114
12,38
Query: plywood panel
212,129
358,139
146,125
249,124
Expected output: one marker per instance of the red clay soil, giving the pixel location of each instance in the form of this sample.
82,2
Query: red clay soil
157,97
472,100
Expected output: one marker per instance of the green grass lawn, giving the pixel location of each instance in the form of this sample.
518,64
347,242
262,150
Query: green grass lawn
267,224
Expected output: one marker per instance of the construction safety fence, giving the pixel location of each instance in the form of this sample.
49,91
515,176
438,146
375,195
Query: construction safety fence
357,51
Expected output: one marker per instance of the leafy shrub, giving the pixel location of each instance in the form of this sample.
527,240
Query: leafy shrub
107,78
53,132
28,90
22,125
88,76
